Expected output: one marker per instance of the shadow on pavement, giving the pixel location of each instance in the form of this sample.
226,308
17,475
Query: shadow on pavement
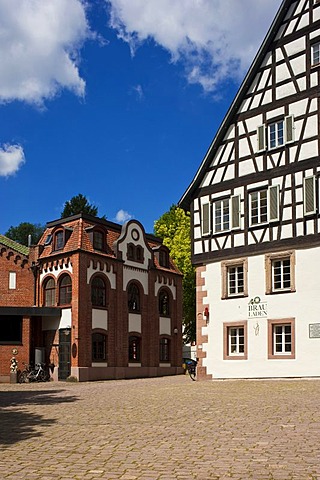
17,423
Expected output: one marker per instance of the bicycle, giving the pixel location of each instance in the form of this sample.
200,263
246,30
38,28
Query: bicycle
191,367
37,374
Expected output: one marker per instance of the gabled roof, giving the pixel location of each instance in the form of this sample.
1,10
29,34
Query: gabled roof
17,247
189,194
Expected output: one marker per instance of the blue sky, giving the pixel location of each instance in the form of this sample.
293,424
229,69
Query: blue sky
118,100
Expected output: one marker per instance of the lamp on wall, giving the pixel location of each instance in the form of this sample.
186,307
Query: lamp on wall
175,331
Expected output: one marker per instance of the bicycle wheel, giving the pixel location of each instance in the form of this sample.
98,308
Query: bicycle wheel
41,377
23,377
192,372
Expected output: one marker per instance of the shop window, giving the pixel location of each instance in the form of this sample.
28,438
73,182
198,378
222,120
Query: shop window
11,330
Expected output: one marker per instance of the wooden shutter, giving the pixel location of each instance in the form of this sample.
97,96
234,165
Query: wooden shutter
289,129
235,211
261,138
274,203
206,220
309,195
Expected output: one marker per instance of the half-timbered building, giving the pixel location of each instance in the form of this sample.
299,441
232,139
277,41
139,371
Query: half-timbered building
96,299
255,213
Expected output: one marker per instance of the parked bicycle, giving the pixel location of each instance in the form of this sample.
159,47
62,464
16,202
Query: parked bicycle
191,367
36,374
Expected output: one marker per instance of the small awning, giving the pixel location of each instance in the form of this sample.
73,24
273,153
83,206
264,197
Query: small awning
31,311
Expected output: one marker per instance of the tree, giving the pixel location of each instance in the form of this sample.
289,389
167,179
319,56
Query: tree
78,204
21,233
173,227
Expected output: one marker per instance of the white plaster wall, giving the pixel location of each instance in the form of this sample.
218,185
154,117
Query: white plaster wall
135,274
135,322
99,318
56,271
110,275
55,323
303,305
164,326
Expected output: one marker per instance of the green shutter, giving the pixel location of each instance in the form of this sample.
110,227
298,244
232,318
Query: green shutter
205,221
309,195
289,129
274,203
235,211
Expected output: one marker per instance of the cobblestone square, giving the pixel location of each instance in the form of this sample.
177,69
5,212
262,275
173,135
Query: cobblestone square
161,429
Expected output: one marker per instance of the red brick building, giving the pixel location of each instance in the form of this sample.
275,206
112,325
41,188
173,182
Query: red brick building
99,300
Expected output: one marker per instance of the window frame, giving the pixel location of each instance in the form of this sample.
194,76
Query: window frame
134,337
225,268
279,140
134,296
161,294
164,350
220,208
259,208
98,241
227,326
98,290
272,323
104,342
315,53
52,290
269,269
66,289
59,240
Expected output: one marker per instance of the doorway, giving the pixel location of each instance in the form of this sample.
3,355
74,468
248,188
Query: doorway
64,353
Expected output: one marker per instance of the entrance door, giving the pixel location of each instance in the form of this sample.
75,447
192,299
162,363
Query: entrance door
64,353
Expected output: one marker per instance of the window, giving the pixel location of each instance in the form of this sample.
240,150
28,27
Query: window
258,207
97,240
164,350
10,330
134,349
234,275
134,298
221,215
164,303
235,341
275,131
280,272
135,253
130,252
99,347
163,258
49,293
281,339
98,292
264,205
275,134
315,53
139,254
59,240
65,290
12,280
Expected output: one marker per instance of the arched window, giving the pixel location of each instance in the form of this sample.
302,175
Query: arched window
139,253
164,350
134,349
164,307
133,298
130,252
65,290
98,292
50,293
99,347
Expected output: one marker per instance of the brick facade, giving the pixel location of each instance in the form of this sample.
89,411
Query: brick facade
65,323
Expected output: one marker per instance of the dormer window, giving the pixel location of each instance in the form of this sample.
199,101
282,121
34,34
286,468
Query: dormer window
59,240
135,253
98,240
164,258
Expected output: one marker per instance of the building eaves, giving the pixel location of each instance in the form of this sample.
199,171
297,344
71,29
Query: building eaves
17,247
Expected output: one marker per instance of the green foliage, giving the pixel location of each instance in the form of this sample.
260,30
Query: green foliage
21,233
78,204
173,227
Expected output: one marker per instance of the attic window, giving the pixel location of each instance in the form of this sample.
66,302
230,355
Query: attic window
97,240
164,258
59,240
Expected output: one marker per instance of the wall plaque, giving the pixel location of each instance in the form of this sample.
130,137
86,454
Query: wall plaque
314,330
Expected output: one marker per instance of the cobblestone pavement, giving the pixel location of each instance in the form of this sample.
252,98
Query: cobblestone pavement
165,428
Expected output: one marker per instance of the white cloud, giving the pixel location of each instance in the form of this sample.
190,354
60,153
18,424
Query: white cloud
122,216
11,159
39,45
214,39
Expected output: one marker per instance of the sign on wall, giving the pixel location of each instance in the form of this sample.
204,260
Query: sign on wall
257,309
314,330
